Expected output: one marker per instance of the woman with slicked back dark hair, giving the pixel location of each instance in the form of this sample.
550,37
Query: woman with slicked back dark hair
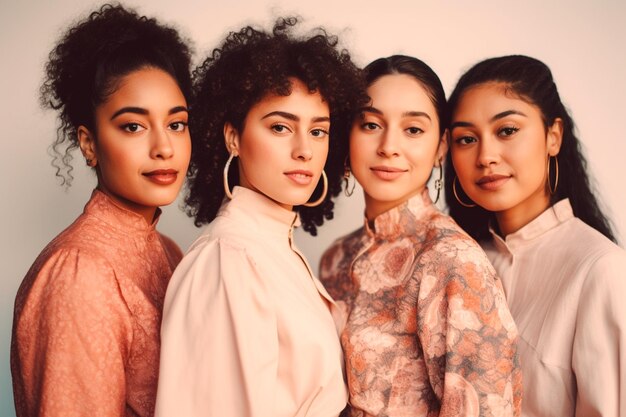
87,315
517,181
417,297
247,328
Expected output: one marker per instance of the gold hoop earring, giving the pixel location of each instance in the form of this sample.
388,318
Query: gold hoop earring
321,199
226,167
457,196
346,179
556,170
439,181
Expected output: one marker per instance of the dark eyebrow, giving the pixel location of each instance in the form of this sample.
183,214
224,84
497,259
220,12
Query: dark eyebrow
135,110
416,114
506,113
371,109
284,114
144,112
295,118
178,109
498,116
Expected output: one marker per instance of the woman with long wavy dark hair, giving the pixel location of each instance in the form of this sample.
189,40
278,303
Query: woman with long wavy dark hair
247,328
517,181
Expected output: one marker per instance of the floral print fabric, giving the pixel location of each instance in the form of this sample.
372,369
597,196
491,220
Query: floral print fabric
426,328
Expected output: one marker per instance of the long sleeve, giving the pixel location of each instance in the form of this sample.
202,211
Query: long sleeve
71,340
468,336
219,342
599,351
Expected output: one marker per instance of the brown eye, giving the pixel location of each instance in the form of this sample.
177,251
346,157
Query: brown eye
414,130
132,127
370,126
507,131
178,126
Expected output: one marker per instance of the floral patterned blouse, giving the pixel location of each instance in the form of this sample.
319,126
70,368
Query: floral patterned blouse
426,329
87,317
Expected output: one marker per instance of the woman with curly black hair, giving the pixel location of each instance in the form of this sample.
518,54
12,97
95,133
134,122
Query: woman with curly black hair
247,327
87,315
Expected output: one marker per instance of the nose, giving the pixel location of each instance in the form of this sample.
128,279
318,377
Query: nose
488,153
161,146
302,149
388,146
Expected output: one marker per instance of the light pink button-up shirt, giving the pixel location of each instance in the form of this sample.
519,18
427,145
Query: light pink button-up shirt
87,317
566,288
247,329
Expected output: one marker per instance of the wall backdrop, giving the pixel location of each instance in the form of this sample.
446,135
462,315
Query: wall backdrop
582,42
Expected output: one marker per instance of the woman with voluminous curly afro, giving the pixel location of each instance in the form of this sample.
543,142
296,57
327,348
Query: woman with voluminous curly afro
248,66
87,314
247,327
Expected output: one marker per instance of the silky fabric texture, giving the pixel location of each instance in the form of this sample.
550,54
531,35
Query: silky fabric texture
427,331
566,288
87,317
247,329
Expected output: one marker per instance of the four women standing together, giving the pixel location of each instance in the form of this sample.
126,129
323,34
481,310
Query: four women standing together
276,121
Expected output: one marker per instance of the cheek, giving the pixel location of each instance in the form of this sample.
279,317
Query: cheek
463,161
361,150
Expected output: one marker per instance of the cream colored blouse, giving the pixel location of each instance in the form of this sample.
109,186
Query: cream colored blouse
566,289
247,328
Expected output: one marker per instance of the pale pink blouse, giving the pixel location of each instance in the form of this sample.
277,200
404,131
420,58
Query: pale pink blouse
247,328
566,287
87,317
427,331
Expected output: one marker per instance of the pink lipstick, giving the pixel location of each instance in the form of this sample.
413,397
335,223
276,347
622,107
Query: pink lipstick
387,173
162,176
492,182
300,177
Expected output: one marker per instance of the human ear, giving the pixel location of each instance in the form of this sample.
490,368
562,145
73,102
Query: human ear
87,144
231,138
555,137
442,148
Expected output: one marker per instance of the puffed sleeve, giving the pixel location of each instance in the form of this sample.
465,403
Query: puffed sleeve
219,341
599,351
71,339
467,334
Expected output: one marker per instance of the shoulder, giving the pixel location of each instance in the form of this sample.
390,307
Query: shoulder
452,246
337,253
171,248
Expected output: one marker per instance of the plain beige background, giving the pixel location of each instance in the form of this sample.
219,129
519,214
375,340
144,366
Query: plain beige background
582,42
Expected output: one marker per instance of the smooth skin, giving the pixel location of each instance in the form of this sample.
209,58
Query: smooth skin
283,145
395,143
140,147
500,148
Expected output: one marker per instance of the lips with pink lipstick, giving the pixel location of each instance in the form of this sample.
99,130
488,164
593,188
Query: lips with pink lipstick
387,173
492,182
162,176
300,176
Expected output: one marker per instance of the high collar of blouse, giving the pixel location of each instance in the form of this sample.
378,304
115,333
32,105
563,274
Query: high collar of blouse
104,208
259,213
551,218
402,218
